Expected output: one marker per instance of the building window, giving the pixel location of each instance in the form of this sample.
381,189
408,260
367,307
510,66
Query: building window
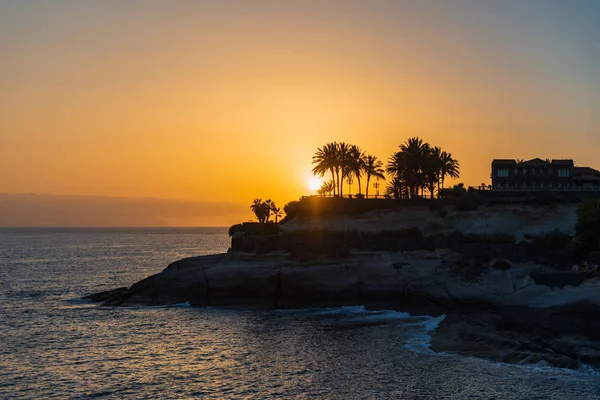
563,173
503,172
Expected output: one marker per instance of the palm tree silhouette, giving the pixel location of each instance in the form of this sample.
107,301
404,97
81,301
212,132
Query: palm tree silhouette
356,161
259,208
327,160
276,212
326,188
449,167
343,158
409,164
397,188
372,168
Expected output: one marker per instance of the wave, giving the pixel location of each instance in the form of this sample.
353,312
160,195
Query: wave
417,340
420,340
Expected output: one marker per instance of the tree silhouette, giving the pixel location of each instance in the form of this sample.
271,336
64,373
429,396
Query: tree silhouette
356,161
261,210
343,157
372,168
422,167
326,188
327,160
418,166
397,188
276,213
449,167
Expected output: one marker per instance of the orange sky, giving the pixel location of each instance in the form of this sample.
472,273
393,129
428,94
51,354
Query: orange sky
227,101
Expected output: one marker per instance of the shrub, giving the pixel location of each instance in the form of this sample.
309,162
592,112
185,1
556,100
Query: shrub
291,209
453,193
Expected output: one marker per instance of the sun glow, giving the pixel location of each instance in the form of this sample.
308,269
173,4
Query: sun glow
314,184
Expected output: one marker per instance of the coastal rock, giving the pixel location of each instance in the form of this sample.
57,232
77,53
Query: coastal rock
276,281
502,313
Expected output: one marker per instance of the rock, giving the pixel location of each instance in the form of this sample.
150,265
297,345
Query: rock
508,316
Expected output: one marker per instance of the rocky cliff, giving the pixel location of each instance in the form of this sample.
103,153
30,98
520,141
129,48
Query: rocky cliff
500,314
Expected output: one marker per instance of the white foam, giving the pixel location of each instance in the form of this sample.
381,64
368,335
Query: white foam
584,370
420,341
187,304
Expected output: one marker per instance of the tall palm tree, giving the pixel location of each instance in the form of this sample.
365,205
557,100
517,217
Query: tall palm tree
343,163
372,168
269,206
409,164
356,161
327,160
432,169
448,167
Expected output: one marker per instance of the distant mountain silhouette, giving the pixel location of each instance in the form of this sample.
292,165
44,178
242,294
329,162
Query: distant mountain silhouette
96,211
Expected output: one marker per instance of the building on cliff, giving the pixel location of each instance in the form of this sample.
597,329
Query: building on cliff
542,175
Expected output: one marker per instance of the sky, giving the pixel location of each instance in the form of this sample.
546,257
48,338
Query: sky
223,102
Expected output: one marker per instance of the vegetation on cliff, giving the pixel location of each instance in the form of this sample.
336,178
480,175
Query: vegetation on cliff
417,167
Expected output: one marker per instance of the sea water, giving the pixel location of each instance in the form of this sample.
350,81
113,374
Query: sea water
53,344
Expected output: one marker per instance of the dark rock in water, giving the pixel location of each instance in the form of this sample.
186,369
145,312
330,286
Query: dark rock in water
561,336
113,297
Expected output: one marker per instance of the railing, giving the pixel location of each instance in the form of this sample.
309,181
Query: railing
346,196
542,189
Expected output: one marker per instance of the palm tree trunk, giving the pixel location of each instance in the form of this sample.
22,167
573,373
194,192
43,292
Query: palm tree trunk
359,188
367,188
333,179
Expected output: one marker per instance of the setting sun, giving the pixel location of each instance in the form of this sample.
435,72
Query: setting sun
314,184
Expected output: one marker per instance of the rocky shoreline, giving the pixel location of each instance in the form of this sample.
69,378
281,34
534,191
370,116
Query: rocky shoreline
501,315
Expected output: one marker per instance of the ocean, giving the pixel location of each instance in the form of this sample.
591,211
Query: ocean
55,344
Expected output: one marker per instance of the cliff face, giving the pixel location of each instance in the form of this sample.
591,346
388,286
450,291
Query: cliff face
514,219
395,279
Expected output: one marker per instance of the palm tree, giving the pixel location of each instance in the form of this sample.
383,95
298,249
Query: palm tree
396,188
261,210
372,168
269,206
409,164
343,163
326,188
448,167
327,160
432,169
356,161
276,212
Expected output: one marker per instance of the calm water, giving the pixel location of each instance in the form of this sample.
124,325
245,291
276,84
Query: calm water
54,345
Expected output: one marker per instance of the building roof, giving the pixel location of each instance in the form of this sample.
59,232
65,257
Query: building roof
503,161
562,162
535,162
585,172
